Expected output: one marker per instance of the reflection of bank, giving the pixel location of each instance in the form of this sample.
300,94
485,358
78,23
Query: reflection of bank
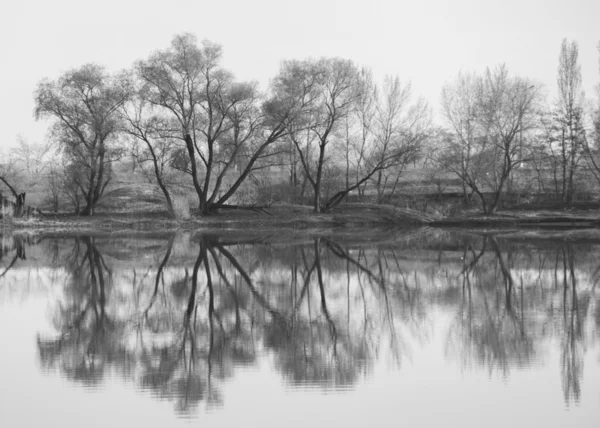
322,311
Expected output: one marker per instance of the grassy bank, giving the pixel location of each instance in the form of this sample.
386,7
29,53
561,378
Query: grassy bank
275,217
134,203
530,218
296,217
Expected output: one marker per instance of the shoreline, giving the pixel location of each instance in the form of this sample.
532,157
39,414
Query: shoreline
278,217
300,219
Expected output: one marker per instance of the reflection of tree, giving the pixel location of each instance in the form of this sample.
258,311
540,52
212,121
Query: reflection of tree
573,309
490,329
309,344
180,368
17,244
498,323
401,310
88,340
321,310
182,330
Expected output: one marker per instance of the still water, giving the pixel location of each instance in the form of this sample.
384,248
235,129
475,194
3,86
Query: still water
408,328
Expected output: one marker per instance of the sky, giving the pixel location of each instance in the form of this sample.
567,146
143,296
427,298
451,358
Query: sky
426,42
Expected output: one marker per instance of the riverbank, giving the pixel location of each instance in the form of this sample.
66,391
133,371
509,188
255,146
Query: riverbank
524,219
276,217
301,218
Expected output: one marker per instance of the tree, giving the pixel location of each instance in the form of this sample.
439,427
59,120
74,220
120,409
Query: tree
84,103
487,116
9,175
221,124
460,146
53,184
388,139
593,150
360,128
32,160
161,151
401,129
567,133
324,92
338,111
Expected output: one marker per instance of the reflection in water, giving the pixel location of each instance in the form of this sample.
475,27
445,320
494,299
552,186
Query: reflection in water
507,310
178,316
13,247
491,328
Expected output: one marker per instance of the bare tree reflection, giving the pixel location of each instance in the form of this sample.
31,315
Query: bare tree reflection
322,310
574,308
497,324
87,342
16,244
490,329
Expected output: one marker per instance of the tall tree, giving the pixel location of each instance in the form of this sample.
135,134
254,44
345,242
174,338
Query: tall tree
151,145
458,151
365,112
567,133
324,92
32,160
593,149
221,124
84,103
401,128
337,106
487,115
597,112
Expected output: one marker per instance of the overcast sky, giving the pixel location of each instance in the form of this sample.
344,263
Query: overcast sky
425,41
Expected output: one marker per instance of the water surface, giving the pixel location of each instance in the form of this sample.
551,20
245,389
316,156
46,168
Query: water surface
417,328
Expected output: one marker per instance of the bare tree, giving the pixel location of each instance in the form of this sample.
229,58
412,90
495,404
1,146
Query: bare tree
339,112
32,160
221,124
391,139
84,103
597,113
593,150
458,151
567,134
13,178
487,115
325,91
361,133
401,127
54,185
161,151
8,178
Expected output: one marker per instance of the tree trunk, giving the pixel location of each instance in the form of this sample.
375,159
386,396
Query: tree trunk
20,205
162,185
189,144
317,186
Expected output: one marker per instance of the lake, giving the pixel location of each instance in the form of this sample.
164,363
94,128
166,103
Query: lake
419,327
